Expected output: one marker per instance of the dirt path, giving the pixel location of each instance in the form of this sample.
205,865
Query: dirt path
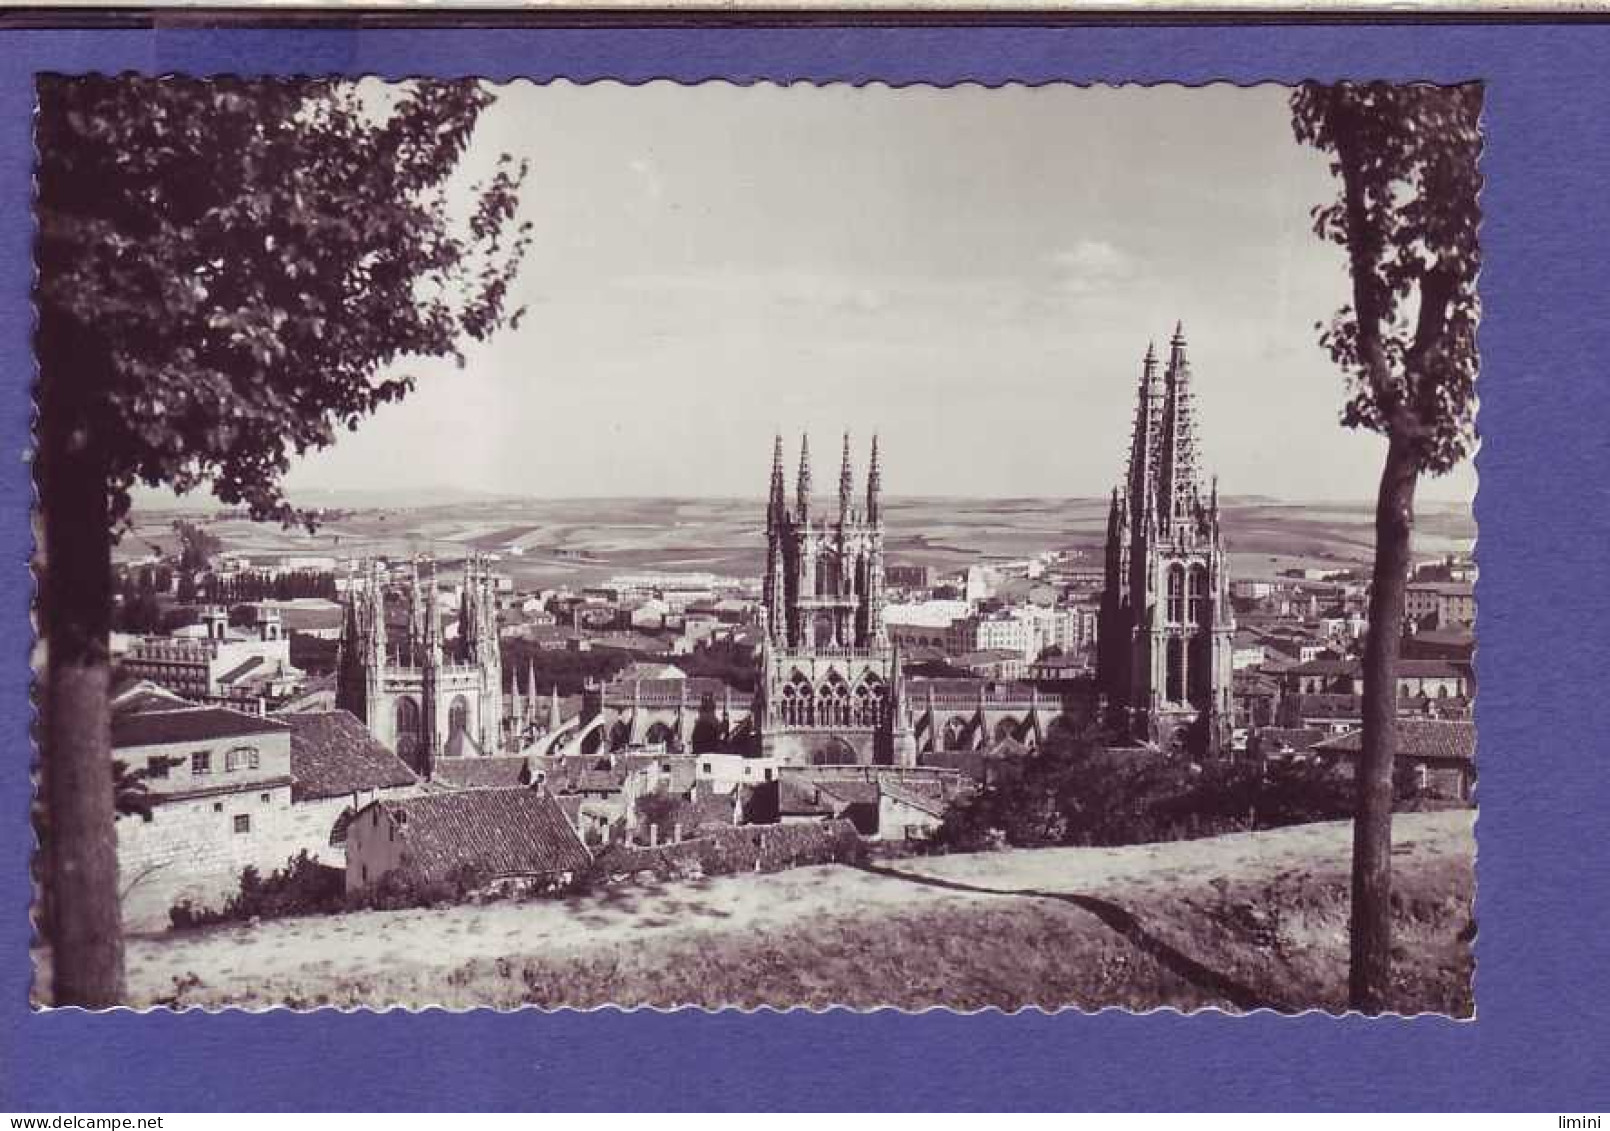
1101,887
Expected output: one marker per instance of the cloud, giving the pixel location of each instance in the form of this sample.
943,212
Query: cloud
1091,265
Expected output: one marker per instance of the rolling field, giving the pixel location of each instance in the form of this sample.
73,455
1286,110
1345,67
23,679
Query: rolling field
1255,920
579,541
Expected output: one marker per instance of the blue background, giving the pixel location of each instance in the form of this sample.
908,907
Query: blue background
1543,988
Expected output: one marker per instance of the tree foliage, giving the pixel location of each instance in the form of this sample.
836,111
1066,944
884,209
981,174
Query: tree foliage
197,546
237,263
1407,213
1074,794
229,271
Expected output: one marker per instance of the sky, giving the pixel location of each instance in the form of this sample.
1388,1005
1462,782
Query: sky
973,274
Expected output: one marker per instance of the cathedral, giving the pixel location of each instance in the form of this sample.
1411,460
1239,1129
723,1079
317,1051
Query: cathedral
424,691
830,689
1166,625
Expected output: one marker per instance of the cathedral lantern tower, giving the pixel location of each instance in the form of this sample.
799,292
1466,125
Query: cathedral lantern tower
827,692
1166,629
425,695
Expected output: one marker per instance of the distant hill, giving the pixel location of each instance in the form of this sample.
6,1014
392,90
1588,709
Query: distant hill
559,541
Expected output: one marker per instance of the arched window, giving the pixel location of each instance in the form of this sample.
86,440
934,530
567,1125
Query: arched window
458,715
797,700
833,701
1200,654
1176,594
1174,692
1006,728
407,718
869,701
956,733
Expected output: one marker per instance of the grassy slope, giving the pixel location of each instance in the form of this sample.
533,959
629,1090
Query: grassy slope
1235,922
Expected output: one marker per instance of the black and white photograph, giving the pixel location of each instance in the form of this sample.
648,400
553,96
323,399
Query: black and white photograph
796,546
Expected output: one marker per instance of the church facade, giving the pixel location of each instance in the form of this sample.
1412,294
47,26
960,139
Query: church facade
830,689
1166,624
425,693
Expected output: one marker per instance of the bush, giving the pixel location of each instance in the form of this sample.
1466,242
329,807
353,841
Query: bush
1072,794
302,887
306,887
731,851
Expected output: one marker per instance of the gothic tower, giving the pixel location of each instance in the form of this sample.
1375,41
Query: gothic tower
1166,625
421,693
828,688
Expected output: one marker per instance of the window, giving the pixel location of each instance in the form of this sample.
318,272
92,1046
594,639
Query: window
264,797
1176,594
156,767
201,762
243,822
1196,601
241,758
217,806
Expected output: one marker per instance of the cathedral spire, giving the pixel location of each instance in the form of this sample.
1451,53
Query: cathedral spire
777,505
846,481
874,483
803,493
433,619
1143,443
1178,485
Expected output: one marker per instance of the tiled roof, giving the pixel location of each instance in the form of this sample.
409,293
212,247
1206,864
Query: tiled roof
588,781
1433,668
1329,706
848,792
333,754
459,744
240,670
195,724
498,832
570,804
931,802
1274,739
917,689
143,695
649,673
694,687
1417,738
1445,588
1327,666
471,773
797,797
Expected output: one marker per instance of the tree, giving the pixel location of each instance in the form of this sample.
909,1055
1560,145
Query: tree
1407,215
229,271
197,547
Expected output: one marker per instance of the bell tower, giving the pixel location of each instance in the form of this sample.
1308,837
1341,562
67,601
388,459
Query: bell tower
1166,628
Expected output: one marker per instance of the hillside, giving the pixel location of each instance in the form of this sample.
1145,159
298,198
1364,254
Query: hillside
1233,922
579,541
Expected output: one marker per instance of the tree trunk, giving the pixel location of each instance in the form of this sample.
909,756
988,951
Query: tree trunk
1371,969
83,927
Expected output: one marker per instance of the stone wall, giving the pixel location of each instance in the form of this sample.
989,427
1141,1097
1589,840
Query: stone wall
190,849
